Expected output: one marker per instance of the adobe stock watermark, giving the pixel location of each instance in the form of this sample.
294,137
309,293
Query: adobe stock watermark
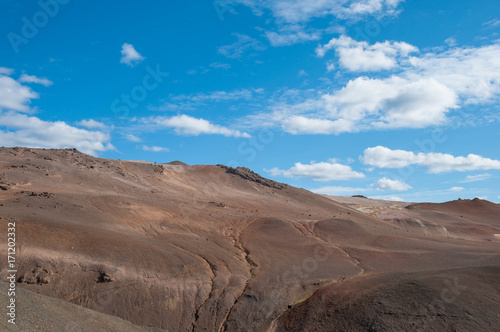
437,307
428,145
293,275
131,100
250,147
31,26
223,6
373,27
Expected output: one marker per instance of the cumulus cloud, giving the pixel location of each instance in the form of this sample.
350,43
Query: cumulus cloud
30,131
473,73
33,79
187,125
386,184
155,148
422,94
457,189
15,96
365,104
425,90
130,56
361,56
383,157
395,102
242,45
322,171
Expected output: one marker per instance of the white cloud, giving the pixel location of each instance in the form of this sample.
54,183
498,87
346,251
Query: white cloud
330,66
133,138
361,56
33,79
302,125
30,131
473,73
218,65
91,124
130,56
187,125
478,177
451,41
293,36
218,96
425,90
322,171
6,71
15,96
493,23
396,102
242,45
457,189
388,198
386,184
338,191
191,102
383,157
302,72
155,148
294,11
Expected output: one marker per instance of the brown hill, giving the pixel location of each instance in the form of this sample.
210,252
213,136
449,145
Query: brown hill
213,248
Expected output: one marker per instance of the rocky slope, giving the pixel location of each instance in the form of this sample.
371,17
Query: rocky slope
212,248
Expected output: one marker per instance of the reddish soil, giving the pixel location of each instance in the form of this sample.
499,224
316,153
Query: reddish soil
211,248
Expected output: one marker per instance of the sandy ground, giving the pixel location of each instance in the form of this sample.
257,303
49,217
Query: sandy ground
211,248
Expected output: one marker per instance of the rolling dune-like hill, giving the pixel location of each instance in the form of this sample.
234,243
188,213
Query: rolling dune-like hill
175,247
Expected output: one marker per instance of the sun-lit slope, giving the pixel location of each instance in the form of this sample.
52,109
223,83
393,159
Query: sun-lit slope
197,247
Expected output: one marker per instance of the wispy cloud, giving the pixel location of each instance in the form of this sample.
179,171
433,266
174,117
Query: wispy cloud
241,46
6,71
478,177
91,124
133,138
155,148
33,79
492,24
339,191
293,12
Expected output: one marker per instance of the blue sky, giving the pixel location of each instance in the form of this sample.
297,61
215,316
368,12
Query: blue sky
384,98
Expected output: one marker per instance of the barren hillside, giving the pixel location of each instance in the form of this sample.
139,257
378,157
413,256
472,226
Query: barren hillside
213,248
